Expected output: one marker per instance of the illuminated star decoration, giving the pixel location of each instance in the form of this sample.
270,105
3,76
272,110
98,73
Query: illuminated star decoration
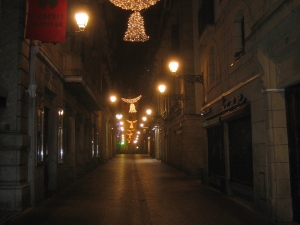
136,30
131,102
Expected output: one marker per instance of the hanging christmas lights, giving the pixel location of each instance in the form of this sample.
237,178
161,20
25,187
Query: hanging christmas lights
131,101
134,5
136,30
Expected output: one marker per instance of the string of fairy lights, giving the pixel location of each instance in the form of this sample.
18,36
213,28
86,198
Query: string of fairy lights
136,29
134,5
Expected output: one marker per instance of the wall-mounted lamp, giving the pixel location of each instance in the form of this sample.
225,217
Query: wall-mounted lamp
189,78
119,116
113,98
175,97
162,88
82,20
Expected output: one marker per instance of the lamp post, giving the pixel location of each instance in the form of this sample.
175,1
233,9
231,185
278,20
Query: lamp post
189,78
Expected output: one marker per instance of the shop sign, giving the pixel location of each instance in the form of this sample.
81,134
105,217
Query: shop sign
235,101
46,20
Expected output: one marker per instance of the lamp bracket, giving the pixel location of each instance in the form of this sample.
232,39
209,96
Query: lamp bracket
192,78
176,97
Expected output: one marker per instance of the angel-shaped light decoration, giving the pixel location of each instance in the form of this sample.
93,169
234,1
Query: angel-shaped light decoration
131,101
131,123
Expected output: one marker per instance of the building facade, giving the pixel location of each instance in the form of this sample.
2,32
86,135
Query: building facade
55,125
238,129
178,128
247,56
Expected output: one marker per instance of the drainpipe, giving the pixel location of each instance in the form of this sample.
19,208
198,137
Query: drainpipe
32,118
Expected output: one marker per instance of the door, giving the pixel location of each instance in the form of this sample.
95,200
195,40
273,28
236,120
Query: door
292,96
240,151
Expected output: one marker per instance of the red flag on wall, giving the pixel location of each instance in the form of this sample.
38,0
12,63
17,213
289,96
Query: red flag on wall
46,20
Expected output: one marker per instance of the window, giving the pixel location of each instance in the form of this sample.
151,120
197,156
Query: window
60,136
239,36
40,130
211,65
93,142
205,15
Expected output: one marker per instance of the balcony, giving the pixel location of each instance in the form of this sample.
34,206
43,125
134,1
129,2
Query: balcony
78,82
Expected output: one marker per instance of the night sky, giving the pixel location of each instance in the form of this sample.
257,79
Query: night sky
133,57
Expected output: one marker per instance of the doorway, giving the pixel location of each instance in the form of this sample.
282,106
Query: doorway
292,96
46,152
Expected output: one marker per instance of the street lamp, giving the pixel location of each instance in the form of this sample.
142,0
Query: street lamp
162,88
113,98
82,20
119,116
173,67
189,78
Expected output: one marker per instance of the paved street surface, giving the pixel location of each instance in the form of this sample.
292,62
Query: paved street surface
139,190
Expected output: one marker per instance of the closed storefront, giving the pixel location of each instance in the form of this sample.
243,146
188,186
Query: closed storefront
229,146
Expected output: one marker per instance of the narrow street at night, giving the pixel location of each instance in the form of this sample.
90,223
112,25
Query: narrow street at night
149,112
137,189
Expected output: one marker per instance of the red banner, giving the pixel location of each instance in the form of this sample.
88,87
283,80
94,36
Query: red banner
46,20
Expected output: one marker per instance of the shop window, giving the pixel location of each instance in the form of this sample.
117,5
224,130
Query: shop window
60,136
97,145
216,159
40,130
240,151
93,142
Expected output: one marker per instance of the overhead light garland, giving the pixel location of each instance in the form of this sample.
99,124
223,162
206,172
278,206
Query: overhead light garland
136,30
134,5
131,101
131,123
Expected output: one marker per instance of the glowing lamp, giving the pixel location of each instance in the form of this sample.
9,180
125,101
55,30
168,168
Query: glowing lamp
173,66
82,20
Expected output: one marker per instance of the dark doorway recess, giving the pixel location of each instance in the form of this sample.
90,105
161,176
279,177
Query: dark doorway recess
240,151
292,95
216,155
46,155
